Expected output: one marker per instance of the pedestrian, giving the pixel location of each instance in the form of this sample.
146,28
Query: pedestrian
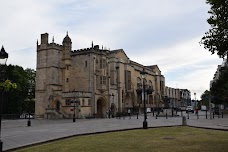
129,113
109,113
196,110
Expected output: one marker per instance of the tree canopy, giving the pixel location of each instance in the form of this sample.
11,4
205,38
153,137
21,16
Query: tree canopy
216,39
219,89
205,97
7,85
16,100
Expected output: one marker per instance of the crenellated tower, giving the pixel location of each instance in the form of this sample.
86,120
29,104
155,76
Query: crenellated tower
48,73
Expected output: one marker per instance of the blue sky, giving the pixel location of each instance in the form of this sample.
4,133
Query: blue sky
164,32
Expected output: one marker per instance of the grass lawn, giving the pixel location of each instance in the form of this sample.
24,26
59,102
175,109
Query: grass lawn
169,139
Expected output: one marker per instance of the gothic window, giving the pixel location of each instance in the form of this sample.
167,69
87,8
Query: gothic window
103,80
112,76
83,102
128,80
67,102
150,84
67,80
102,63
89,102
139,82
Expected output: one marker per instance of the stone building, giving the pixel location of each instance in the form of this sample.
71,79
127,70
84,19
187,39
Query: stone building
98,79
177,97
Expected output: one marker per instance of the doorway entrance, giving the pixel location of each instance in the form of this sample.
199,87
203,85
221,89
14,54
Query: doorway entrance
57,105
101,108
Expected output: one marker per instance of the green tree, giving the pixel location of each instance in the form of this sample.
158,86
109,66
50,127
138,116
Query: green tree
30,101
205,97
216,38
7,86
219,89
16,101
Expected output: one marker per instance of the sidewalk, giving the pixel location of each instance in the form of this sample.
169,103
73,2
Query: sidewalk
15,133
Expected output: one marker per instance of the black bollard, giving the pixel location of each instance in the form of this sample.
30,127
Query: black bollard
153,112
137,115
29,123
222,114
188,115
156,116
213,115
172,112
218,115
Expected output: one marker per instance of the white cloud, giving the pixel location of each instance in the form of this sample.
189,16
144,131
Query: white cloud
192,66
161,32
177,56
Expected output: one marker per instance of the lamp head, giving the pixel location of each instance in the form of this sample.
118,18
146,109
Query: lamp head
3,56
143,74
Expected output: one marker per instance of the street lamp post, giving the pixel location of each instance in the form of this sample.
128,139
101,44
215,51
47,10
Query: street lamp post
3,60
148,91
195,99
145,126
29,100
74,109
74,112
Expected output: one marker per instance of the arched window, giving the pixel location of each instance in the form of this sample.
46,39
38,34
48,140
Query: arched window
150,84
145,82
139,83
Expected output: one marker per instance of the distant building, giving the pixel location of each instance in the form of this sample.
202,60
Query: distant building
218,72
99,79
177,97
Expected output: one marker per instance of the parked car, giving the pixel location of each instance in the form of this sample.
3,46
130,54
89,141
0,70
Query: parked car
26,116
189,109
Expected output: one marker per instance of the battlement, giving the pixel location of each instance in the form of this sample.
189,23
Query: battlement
54,45
82,50
50,46
94,49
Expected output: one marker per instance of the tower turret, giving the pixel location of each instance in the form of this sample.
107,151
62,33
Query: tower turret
44,38
67,41
67,45
48,73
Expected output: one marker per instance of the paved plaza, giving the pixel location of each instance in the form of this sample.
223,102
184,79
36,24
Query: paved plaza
15,133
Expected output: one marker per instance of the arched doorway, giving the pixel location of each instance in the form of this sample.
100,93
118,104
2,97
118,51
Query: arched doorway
101,108
57,105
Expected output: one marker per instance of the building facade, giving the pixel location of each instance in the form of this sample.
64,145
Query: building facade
177,98
220,69
98,79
